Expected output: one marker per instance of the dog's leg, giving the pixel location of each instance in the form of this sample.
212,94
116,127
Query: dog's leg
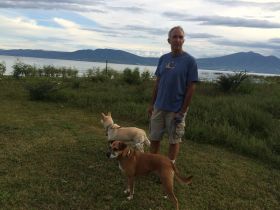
167,180
131,187
127,190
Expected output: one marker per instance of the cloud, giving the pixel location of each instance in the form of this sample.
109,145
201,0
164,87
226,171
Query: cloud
145,29
260,45
273,5
132,9
201,36
97,6
275,40
140,27
66,23
138,31
223,21
82,6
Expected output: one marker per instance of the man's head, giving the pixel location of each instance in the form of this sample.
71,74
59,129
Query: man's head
176,39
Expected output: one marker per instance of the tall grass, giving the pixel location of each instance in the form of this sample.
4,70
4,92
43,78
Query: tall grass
244,122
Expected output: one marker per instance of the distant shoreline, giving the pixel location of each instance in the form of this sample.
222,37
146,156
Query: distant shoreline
83,66
240,61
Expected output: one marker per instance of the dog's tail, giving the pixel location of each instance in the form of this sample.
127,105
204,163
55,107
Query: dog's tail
146,141
186,180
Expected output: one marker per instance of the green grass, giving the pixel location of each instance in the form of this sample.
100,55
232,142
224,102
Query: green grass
52,155
244,122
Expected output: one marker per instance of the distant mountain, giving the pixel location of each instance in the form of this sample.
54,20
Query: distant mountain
98,55
249,61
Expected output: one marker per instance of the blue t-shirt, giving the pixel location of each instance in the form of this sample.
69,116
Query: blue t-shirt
175,74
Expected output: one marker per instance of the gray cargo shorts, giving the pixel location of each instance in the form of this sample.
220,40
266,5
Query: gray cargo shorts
162,121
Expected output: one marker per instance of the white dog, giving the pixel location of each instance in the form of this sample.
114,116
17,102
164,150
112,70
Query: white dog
133,136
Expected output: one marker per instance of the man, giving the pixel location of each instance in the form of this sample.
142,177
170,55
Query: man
176,77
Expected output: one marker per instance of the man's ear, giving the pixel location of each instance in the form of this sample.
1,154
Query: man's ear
168,40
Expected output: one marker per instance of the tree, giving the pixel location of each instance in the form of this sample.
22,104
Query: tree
131,77
2,68
146,75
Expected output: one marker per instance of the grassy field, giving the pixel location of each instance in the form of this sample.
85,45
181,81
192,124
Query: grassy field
52,154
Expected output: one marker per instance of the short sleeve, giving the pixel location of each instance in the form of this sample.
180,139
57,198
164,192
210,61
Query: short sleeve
157,73
192,72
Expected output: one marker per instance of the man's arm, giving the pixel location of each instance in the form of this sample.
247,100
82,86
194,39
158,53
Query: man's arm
188,97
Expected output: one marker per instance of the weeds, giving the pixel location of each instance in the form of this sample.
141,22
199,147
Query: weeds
229,83
41,90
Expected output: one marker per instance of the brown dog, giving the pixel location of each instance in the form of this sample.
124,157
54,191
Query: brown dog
134,163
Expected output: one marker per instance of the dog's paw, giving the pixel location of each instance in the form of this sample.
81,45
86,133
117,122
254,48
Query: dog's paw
130,197
126,191
165,196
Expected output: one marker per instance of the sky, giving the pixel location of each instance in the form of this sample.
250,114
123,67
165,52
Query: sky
212,27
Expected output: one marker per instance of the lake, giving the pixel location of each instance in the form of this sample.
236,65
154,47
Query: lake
83,66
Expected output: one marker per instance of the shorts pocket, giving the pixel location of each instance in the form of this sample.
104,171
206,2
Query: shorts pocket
179,131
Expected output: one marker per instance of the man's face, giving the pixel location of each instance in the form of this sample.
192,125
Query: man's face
176,40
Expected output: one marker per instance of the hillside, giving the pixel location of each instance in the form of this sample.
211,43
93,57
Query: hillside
242,61
98,55
248,61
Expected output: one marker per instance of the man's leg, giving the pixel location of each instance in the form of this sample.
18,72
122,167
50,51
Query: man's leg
155,146
175,134
173,151
156,130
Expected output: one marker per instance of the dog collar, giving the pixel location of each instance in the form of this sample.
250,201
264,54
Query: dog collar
109,126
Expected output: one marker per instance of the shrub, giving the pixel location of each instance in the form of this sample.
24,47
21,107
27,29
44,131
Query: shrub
22,69
41,90
131,77
228,83
18,69
146,75
89,73
2,68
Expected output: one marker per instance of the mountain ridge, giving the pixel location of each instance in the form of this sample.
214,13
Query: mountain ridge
241,61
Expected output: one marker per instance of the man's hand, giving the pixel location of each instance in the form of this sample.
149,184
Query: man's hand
178,117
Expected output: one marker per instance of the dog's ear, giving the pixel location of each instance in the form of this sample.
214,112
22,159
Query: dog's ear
122,146
115,144
109,114
126,152
125,149
115,126
103,115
